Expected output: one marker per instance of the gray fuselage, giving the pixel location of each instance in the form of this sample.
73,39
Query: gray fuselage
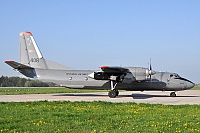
79,79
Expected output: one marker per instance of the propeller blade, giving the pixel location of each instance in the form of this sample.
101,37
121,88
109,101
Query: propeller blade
150,77
150,66
151,72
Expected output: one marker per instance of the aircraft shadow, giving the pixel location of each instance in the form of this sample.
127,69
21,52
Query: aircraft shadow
146,96
80,94
134,95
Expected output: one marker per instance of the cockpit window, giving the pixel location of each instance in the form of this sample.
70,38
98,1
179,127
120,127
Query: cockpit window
174,75
177,76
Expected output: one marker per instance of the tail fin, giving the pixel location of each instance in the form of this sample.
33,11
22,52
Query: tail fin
30,54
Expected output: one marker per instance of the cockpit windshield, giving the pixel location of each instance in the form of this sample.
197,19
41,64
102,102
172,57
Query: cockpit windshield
174,75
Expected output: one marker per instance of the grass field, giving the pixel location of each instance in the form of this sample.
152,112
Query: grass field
98,117
48,90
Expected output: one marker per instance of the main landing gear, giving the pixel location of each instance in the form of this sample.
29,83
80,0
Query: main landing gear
113,92
172,94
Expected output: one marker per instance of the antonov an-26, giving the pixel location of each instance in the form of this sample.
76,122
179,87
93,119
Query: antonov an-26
33,65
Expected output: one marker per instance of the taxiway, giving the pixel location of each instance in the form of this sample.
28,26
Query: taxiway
150,97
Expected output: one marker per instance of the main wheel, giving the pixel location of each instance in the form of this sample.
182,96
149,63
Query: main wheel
173,94
117,92
112,93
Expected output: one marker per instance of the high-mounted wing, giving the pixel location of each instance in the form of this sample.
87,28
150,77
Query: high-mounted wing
114,74
114,70
110,73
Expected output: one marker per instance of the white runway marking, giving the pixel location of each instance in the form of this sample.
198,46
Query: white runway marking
151,97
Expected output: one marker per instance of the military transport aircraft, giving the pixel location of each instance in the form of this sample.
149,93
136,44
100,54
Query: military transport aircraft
33,65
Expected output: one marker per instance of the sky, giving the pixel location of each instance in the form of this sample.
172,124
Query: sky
86,34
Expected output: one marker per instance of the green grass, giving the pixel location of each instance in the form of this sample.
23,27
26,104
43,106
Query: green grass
97,117
196,88
47,90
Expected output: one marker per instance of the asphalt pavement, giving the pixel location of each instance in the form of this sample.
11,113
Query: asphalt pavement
151,97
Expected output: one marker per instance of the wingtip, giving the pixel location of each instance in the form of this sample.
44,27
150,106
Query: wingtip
104,67
9,61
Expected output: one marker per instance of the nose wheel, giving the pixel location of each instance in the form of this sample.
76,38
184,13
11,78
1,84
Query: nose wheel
172,94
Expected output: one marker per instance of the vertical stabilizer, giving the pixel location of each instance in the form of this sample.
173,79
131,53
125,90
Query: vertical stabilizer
30,54
29,51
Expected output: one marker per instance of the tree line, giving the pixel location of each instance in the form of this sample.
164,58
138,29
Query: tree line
22,82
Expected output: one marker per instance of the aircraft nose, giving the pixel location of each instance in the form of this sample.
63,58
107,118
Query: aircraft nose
190,85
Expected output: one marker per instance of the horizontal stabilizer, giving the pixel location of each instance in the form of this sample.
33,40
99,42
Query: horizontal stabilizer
17,65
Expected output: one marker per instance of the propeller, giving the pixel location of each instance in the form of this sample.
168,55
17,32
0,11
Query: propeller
151,72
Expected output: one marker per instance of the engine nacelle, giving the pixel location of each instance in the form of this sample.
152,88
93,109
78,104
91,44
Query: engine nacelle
129,78
139,73
134,74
